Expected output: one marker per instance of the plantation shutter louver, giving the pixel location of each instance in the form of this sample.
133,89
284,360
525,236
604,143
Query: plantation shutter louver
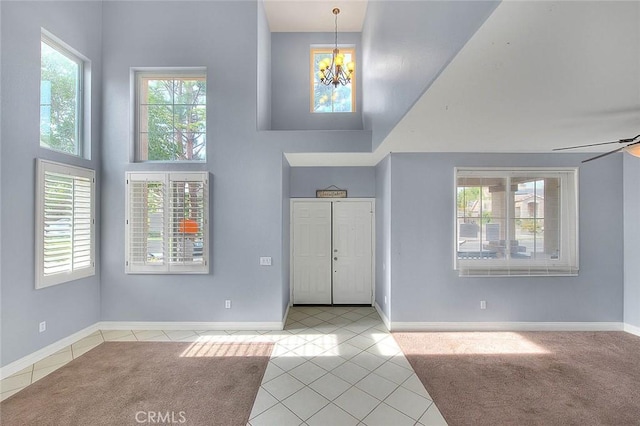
65,223
146,225
167,223
187,221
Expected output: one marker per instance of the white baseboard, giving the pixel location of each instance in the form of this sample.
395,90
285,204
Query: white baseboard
506,326
188,325
632,329
41,354
385,320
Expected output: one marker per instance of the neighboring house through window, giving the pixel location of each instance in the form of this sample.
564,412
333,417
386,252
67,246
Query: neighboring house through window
65,223
516,221
330,98
61,95
167,222
171,115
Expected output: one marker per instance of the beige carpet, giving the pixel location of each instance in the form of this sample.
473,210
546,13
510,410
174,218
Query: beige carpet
129,383
529,378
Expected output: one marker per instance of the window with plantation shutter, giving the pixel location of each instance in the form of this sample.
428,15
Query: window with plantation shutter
167,223
65,223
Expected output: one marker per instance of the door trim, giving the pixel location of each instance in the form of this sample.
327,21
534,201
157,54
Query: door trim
292,201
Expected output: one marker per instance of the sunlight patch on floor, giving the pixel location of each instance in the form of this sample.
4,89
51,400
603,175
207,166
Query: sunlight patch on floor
211,349
479,343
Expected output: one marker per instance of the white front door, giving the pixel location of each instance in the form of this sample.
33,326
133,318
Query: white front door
311,248
352,252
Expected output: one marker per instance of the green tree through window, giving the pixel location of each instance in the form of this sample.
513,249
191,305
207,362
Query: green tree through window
172,118
330,98
60,99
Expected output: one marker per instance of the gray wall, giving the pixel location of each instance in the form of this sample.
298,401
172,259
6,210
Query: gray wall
297,141
631,240
251,182
383,235
71,306
286,234
246,199
425,287
1,203
264,70
290,103
358,181
408,44
246,185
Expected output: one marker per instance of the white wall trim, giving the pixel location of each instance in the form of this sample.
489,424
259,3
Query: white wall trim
507,326
632,329
284,318
40,354
188,325
385,320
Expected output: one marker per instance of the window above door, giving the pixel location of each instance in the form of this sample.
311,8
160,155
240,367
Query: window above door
330,98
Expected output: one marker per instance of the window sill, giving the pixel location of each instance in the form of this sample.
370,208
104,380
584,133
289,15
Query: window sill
519,273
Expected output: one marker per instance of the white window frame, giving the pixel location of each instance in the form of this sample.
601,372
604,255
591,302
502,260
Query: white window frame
81,150
567,263
45,168
137,74
165,267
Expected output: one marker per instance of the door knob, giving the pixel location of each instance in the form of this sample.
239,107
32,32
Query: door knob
335,258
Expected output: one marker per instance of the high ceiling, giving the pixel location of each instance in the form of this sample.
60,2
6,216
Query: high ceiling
535,76
314,15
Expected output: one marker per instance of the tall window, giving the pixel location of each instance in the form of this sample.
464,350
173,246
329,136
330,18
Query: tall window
516,222
167,223
65,223
60,98
331,98
171,116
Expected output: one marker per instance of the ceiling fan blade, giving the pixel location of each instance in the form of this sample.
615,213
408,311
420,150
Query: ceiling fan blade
605,154
591,144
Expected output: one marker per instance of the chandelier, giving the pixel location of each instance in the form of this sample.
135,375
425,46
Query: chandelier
332,71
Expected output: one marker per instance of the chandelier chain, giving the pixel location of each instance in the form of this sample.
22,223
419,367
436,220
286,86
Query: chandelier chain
334,71
336,32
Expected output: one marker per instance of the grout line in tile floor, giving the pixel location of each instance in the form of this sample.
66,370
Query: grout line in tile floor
330,365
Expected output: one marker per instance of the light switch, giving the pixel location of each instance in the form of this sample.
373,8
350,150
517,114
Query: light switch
265,261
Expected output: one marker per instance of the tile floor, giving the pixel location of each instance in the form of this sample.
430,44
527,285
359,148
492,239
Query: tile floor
330,366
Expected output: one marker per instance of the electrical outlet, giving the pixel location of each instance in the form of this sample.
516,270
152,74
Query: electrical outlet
227,304
265,261
43,326
483,304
